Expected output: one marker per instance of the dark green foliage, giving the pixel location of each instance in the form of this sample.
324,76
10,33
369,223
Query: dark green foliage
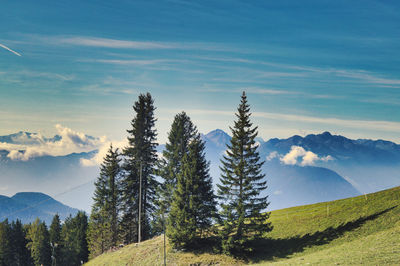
13,244
103,226
140,158
39,243
74,245
182,133
55,239
193,203
241,184
18,243
181,227
5,243
202,201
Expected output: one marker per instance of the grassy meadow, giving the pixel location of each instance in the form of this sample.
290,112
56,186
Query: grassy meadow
359,230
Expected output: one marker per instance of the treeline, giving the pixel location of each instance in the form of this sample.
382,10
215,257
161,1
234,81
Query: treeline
64,243
139,193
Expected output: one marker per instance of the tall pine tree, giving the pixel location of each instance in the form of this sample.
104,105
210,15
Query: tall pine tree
74,245
181,134
241,184
6,257
103,225
55,239
140,158
39,243
193,203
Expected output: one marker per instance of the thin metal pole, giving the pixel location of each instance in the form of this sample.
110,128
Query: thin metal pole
165,255
140,203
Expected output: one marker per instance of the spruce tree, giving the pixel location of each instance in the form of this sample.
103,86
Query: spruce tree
55,239
203,203
140,158
20,253
39,243
242,181
181,134
181,227
103,225
193,203
74,245
6,257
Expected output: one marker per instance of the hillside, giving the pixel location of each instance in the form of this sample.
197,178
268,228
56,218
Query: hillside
359,230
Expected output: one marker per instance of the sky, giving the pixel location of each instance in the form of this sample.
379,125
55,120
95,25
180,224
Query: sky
306,66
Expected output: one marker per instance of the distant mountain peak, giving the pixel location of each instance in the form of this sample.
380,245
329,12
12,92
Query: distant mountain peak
327,134
219,137
27,206
31,194
217,132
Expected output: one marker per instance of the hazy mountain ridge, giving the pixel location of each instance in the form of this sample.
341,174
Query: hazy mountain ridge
339,147
27,206
339,177
357,166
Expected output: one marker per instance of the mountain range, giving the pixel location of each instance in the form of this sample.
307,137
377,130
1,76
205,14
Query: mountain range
315,168
299,170
27,206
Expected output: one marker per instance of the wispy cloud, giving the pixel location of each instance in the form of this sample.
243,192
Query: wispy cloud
356,74
135,62
12,51
112,43
367,77
17,75
253,90
360,124
107,89
90,41
378,125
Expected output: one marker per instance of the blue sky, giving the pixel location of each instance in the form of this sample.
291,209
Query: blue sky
307,66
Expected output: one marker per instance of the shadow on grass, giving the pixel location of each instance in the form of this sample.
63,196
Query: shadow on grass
267,249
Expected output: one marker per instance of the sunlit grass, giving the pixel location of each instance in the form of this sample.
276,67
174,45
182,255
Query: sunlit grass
360,230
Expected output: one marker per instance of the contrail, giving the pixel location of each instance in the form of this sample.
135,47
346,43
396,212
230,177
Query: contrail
12,51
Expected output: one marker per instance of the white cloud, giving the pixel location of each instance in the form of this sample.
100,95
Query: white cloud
35,145
278,192
272,155
299,156
102,151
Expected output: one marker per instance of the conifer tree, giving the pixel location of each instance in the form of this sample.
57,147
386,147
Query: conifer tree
241,184
181,228
55,239
20,253
39,243
103,225
74,245
140,158
5,243
203,203
193,203
181,134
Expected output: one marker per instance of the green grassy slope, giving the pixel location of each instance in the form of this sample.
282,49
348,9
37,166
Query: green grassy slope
360,230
